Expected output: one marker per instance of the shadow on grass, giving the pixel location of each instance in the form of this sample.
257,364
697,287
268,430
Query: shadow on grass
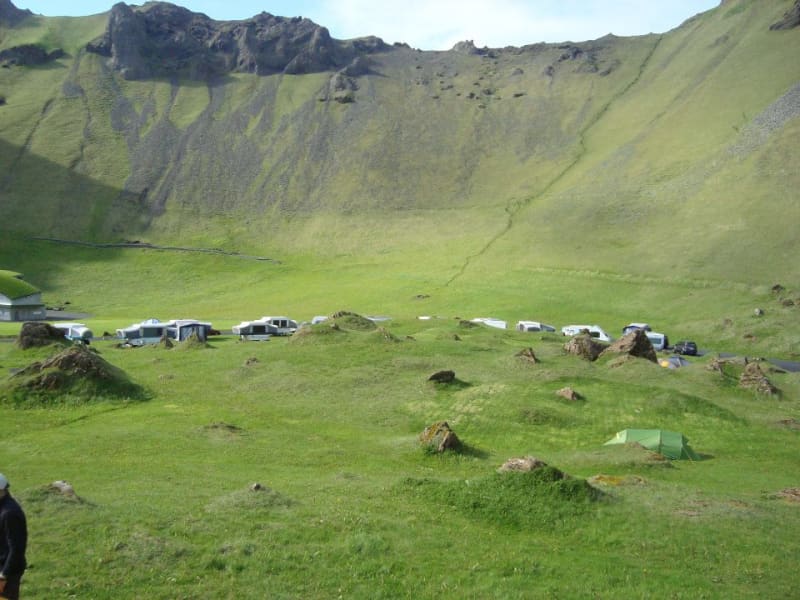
463,450
456,384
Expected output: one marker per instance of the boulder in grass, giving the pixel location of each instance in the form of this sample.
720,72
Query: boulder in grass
569,394
635,343
439,437
585,346
753,378
528,355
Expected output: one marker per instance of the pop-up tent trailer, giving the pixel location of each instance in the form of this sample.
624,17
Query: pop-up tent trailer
669,443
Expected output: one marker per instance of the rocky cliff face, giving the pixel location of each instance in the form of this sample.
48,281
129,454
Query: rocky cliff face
10,14
160,39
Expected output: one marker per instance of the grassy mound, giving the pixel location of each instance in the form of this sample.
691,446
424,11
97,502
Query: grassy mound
37,335
349,320
520,500
73,376
319,332
255,499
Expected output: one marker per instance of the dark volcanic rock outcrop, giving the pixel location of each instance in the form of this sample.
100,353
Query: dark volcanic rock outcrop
28,54
790,20
161,40
10,14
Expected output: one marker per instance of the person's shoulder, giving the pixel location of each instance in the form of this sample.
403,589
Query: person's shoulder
9,504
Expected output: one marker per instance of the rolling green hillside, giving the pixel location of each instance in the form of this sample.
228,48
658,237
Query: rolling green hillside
665,159
674,150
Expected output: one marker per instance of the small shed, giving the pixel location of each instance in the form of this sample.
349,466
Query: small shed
19,300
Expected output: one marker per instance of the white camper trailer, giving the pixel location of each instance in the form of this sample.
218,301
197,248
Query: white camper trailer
533,326
149,331
76,332
152,330
595,331
181,329
284,325
255,331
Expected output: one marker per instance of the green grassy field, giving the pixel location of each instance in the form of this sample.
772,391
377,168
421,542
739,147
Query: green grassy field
356,508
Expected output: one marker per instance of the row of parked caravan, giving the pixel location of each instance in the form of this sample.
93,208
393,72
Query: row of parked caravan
264,328
152,331
660,341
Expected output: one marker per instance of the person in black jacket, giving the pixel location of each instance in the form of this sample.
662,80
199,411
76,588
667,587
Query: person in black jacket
13,541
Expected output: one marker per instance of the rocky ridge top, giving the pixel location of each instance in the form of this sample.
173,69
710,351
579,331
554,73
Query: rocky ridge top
10,14
160,39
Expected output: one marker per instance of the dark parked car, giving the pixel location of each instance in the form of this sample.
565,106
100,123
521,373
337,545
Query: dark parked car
688,348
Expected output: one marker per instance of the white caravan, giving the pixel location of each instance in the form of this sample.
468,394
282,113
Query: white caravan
595,331
181,329
533,326
149,331
658,340
75,332
255,331
284,325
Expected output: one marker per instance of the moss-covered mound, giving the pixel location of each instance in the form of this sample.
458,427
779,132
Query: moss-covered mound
521,500
75,375
37,335
350,320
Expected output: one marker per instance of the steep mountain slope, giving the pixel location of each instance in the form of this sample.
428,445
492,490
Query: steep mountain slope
669,155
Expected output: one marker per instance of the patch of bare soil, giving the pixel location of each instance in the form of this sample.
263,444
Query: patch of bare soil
790,494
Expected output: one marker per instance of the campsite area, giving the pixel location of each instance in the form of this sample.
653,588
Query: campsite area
294,468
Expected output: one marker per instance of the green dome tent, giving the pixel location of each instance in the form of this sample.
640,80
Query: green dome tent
669,443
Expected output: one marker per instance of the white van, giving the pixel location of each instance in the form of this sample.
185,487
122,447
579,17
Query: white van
595,331
533,326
